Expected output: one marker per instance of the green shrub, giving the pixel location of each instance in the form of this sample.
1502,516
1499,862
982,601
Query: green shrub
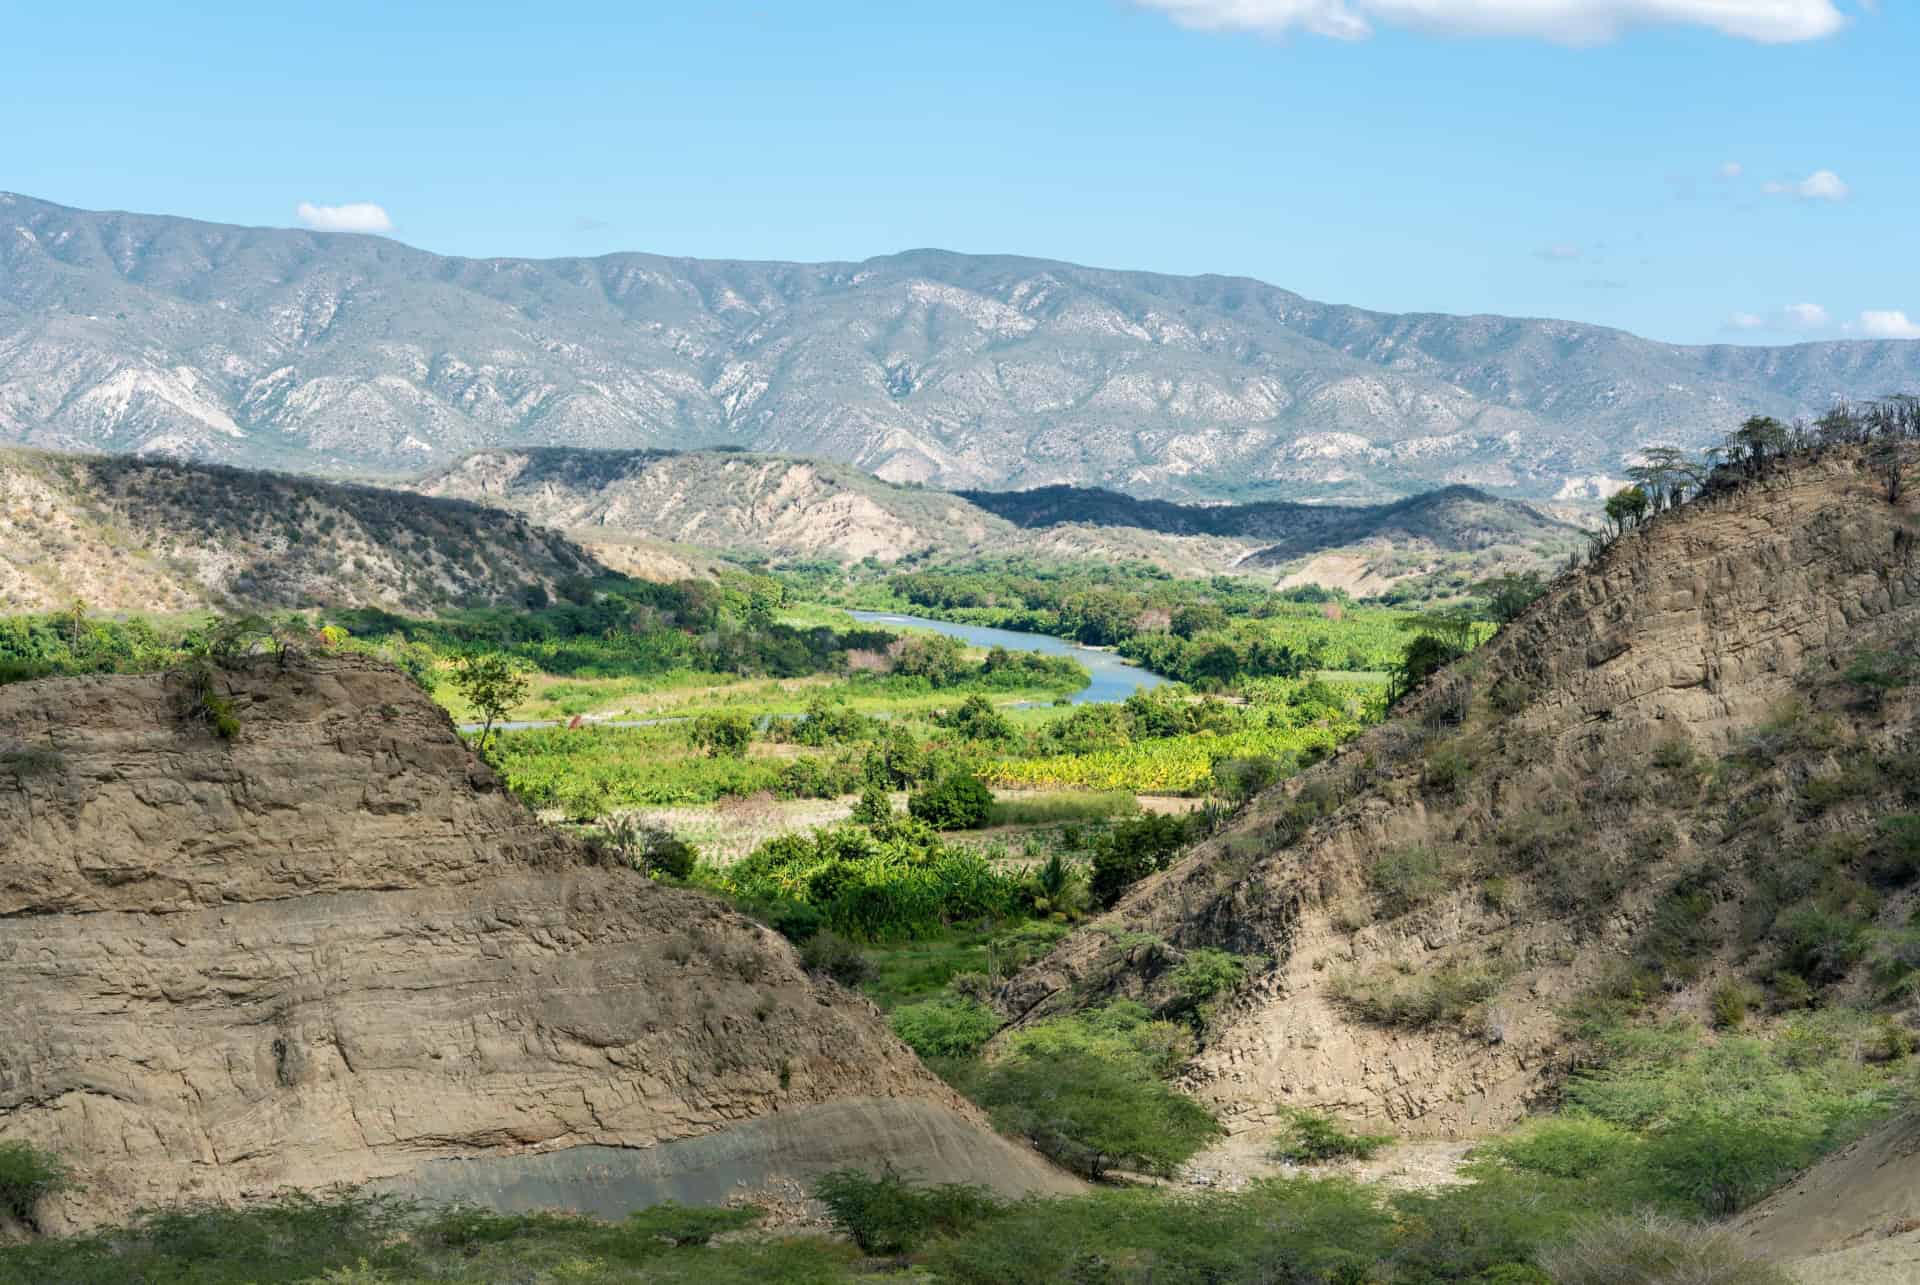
1820,943
1448,994
1091,1115
890,1215
950,1026
1310,1137
1204,974
795,920
722,735
27,1176
1131,851
1651,1250
957,801
1404,879
836,957
1299,1231
1896,850
1730,1003
1568,1146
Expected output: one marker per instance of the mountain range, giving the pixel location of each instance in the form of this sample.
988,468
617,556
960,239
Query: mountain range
358,355
640,510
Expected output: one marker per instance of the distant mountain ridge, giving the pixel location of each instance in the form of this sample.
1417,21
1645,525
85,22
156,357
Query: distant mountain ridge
788,507
352,354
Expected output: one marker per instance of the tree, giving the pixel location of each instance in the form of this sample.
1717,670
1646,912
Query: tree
935,657
1889,465
493,684
875,808
1626,508
1131,851
1666,474
723,735
957,801
1509,595
1758,440
978,720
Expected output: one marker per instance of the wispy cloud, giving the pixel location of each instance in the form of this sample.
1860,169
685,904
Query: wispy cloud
1732,170
355,216
1561,21
1559,253
1890,324
1799,318
1806,316
1821,185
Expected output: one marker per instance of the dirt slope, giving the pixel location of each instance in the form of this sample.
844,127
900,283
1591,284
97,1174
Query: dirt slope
332,949
1550,793
1854,1216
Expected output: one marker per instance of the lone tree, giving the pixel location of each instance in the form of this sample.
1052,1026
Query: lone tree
1510,594
723,735
1626,507
493,683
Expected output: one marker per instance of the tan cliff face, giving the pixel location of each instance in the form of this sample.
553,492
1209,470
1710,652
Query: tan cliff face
1560,814
333,949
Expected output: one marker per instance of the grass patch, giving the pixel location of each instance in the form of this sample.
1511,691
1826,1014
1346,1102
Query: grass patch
1062,808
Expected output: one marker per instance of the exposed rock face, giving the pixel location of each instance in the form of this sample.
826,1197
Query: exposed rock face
1695,630
333,949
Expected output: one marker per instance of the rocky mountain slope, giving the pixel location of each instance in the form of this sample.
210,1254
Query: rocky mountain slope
1637,789
795,508
731,500
333,949
332,352
143,534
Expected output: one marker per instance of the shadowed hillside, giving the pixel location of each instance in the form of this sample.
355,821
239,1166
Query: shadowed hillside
130,534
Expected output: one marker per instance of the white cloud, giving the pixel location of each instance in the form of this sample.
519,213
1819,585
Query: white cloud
1746,321
1821,185
1732,169
1563,21
1889,325
1805,316
355,216
1559,253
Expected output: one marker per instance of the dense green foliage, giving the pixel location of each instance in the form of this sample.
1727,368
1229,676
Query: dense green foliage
890,1215
27,1176
877,883
1090,1090
956,801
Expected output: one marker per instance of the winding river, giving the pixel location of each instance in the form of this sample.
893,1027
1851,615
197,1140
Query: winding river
1114,679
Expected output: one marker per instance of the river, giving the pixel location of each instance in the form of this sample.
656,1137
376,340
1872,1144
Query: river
1114,679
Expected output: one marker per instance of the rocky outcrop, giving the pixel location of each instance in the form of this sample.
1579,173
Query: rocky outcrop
332,949
1530,777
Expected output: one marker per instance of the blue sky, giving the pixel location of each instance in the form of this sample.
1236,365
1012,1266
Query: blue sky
1444,155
